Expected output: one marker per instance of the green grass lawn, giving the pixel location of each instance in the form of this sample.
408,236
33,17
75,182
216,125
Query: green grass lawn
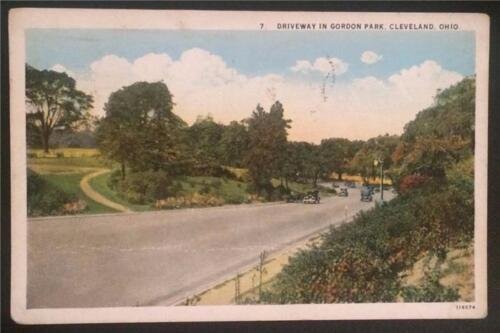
64,152
70,162
70,183
300,187
66,171
100,184
231,191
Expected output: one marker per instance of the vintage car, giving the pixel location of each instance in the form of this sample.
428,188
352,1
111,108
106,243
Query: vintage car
371,188
366,194
311,198
343,192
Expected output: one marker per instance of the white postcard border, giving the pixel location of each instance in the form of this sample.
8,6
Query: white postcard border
25,18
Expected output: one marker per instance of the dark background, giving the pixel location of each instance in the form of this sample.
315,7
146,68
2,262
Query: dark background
490,324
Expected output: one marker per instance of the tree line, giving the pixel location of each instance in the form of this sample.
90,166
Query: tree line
141,132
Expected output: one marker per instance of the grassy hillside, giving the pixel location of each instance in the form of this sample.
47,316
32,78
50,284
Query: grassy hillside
59,193
62,170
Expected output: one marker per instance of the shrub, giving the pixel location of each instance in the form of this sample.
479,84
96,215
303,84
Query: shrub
217,183
412,181
75,207
211,170
363,261
114,178
277,193
146,187
234,198
45,198
205,188
430,291
191,200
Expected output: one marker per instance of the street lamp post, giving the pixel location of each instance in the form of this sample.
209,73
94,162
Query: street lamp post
381,162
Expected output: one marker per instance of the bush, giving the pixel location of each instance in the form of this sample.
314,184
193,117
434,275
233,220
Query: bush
217,183
192,200
211,170
146,187
205,188
430,291
412,181
363,261
114,178
236,198
326,189
45,198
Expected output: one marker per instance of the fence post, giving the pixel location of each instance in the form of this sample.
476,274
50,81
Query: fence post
262,258
237,288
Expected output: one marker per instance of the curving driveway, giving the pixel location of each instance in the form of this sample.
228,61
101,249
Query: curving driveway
96,196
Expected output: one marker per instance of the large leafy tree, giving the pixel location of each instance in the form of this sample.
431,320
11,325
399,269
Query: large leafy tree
140,130
267,133
204,137
234,144
379,148
53,102
279,129
337,153
440,135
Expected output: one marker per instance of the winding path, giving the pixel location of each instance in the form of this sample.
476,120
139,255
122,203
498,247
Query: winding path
96,196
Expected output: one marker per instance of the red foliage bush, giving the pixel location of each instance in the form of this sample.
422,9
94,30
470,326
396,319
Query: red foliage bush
411,182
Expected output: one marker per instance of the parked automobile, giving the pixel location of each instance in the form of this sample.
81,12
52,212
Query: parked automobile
366,194
343,192
311,198
371,188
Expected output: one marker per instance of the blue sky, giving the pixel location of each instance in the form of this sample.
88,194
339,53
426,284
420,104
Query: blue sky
226,73
255,52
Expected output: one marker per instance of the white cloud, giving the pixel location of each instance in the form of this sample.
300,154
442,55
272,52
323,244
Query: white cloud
61,69
152,66
322,65
370,57
202,82
303,66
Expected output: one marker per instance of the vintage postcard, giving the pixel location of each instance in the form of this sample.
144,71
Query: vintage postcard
177,165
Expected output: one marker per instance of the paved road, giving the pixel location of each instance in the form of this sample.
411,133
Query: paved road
159,258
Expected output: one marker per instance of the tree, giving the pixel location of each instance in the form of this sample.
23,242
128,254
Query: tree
234,144
379,148
53,102
304,162
336,154
204,138
440,135
267,133
140,130
279,128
